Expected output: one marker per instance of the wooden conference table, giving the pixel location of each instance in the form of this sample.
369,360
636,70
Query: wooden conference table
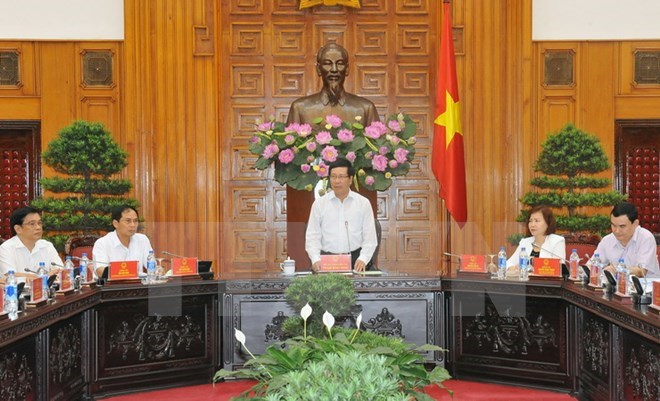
124,338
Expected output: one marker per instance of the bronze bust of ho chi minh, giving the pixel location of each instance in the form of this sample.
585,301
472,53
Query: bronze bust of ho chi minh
332,67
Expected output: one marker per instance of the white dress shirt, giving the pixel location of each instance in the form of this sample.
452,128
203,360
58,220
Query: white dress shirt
13,253
553,247
640,251
340,227
109,249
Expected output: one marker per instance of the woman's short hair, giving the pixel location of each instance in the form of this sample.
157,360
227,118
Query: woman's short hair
548,217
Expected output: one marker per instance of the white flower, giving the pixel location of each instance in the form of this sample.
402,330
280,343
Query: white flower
358,322
306,311
328,320
240,337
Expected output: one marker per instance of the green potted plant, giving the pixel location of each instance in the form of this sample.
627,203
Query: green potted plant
323,292
568,161
337,363
85,156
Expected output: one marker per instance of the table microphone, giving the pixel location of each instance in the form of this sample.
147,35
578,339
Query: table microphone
171,254
453,255
90,260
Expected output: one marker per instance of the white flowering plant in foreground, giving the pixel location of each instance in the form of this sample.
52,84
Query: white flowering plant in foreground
301,153
347,365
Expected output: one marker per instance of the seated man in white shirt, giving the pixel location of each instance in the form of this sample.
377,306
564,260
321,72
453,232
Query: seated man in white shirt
26,248
635,244
341,221
125,243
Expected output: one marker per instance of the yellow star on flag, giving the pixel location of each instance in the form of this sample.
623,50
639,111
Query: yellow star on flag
312,3
450,119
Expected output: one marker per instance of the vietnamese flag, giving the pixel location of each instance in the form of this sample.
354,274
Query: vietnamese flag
447,160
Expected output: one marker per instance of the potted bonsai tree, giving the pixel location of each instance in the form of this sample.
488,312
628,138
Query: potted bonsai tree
568,161
86,157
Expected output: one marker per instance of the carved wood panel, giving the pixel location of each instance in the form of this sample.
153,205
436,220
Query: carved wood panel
270,55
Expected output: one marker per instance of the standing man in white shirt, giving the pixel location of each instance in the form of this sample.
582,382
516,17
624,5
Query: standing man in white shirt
26,248
635,244
341,221
124,243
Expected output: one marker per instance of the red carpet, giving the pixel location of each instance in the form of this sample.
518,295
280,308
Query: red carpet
463,391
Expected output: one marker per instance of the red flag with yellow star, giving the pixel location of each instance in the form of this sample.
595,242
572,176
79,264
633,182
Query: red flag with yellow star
447,160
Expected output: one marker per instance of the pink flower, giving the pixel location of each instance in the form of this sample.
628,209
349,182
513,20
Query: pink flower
394,125
310,158
394,139
350,156
333,120
304,130
393,164
375,130
289,139
292,127
305,168
323,170
379,163
382,150
369,155
254,139
270,151
329,153
265,126
311,146
369,180
286,156
412,140
345,135
323,137
401,155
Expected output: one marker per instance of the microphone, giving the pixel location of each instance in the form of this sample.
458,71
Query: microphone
57,265
90,260
452,255
171,254
563,260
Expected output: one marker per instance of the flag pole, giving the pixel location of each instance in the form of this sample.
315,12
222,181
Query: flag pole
448,226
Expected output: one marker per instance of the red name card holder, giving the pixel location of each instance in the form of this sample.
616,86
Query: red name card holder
655,298
66,284
123,272
472,265
37,295
546,268
336,263
621,293
185,268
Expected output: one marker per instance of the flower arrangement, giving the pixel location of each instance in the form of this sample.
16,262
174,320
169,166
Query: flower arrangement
302,153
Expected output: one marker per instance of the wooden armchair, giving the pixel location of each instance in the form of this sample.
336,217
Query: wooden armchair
76,245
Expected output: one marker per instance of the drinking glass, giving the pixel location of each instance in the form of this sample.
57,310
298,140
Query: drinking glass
492,267
160,271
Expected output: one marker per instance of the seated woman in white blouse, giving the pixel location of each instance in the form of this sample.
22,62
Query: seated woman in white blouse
541,240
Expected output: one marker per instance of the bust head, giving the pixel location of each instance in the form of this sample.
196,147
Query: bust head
332,67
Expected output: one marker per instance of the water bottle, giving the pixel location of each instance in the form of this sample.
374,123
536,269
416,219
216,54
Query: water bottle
622,273
595,268
84,262
68,268
501,263
151,267
11,295
524,264
44,278
574,264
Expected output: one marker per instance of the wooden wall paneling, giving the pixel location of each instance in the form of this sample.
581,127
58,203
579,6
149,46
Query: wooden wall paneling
171,124
27,65
99,103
